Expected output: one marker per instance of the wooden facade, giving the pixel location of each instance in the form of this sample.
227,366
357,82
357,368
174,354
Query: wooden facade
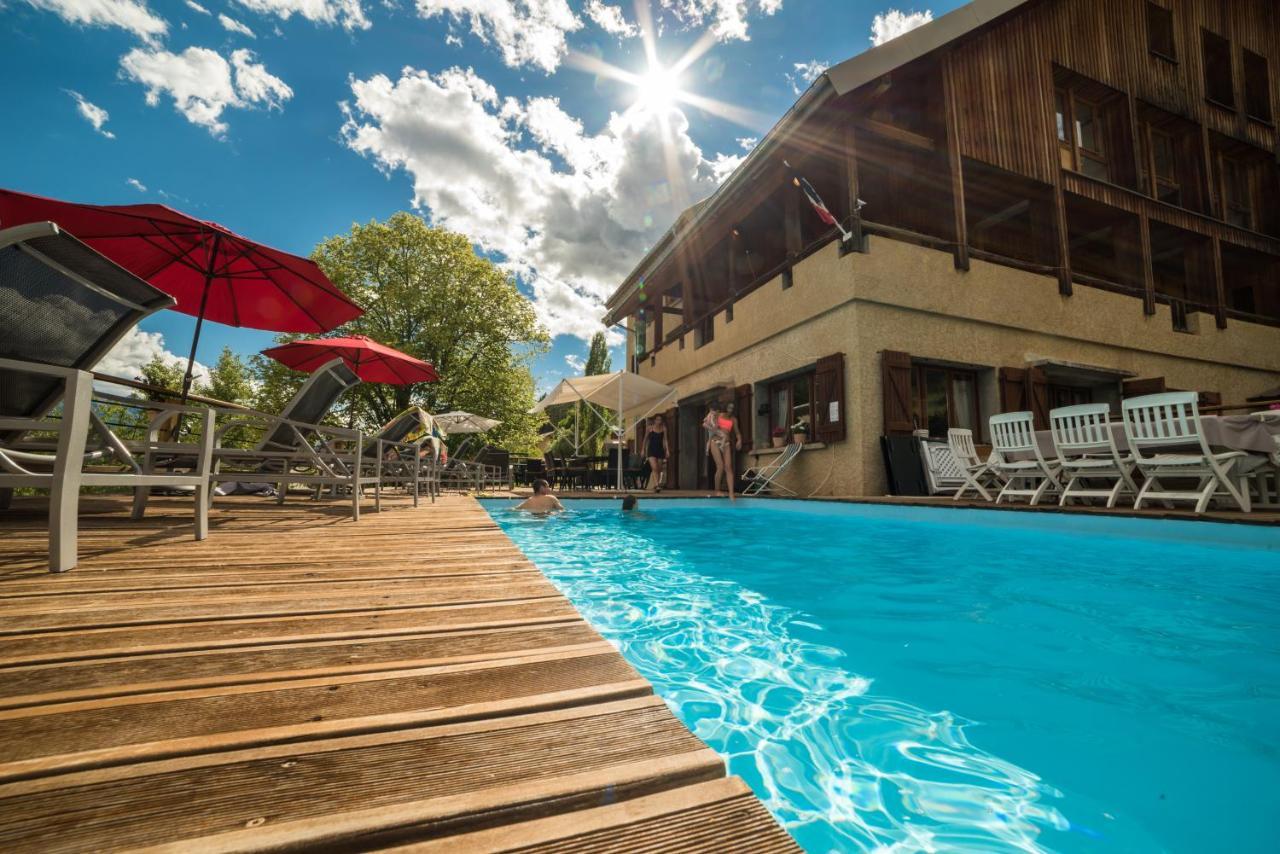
1162,184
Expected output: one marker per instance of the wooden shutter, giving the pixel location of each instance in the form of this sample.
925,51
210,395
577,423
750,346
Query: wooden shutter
1013,389
1210,398
828,398
672,417
1137,388
1038,396
895,371
745,415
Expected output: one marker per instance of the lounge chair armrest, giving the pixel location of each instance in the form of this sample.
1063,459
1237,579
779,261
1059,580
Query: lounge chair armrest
41,368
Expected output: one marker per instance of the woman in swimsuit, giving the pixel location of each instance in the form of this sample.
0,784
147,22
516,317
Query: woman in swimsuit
655,445
723,428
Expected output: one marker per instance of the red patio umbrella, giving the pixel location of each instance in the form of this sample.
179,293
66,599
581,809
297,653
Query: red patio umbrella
372,362
213,272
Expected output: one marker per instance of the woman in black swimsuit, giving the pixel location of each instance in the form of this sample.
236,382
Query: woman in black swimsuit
655,449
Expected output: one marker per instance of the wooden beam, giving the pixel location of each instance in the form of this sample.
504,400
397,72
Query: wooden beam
851,188
1219,287
961,229
1148,276
791,223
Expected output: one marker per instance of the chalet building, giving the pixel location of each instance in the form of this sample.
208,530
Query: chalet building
1049,201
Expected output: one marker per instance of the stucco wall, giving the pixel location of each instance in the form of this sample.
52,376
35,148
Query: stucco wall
900,296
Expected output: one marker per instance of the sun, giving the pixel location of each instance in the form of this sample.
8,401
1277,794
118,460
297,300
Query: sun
658,88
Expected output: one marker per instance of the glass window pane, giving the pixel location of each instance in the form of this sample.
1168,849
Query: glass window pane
1088,134
1162,155
1093,167
1060,111
935,396
963,396
800,403
781,411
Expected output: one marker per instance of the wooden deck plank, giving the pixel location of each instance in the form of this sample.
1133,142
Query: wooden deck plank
300,680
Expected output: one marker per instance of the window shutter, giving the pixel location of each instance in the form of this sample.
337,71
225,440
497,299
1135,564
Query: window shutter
746,416
895,371
1137,388
1210,398
1013,389
828,398
1038,396
672,417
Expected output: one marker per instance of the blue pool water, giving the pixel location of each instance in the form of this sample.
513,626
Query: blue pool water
935,679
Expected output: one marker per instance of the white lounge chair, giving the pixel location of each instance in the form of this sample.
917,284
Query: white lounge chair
1029,474
762,479
978,474
1087,452
943,473
1171,421
62,307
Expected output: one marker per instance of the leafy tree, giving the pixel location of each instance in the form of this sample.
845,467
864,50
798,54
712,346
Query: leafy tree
426,292
164,374
230,380
598,359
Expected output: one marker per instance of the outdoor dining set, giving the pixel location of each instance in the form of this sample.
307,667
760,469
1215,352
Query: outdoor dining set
1162,450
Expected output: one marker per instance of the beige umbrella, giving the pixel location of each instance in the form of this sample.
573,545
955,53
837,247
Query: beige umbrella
465,422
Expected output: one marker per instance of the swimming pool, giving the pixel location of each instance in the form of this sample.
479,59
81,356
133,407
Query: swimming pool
962,679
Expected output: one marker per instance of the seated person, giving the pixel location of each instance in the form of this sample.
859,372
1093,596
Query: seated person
542,501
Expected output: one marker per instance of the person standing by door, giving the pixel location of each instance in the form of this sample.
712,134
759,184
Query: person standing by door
657,451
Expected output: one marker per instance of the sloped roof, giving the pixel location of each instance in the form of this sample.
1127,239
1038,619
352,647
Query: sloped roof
836,80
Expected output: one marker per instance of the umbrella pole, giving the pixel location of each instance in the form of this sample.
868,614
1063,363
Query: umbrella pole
204,302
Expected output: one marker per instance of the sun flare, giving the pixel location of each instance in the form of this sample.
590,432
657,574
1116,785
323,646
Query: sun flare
658,88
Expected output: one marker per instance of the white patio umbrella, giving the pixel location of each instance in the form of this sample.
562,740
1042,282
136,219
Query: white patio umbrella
629,395
465,422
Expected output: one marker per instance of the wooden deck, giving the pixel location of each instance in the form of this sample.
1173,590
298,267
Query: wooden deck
299,681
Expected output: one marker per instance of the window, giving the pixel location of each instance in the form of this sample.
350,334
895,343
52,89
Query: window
1159,167
1219,86
1257,86
705,331
1160,32
942,398
790,403
1237,202
1081,129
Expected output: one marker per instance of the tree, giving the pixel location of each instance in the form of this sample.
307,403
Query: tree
426,292
164,374
598,359
230,380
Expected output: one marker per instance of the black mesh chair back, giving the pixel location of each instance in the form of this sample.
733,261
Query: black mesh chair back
63,304
311,403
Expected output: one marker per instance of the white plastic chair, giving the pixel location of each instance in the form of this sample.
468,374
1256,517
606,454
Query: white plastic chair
1087,452
1029,474
1172,421
1266,478
765,478
978,473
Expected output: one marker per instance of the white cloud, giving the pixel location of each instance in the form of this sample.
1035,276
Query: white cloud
203,84
577,364
131,15
233,26
748,142
610,19
196,7
727,18
893,23
526,32
136,184
804,73
569,212
91,113
349,13
136,349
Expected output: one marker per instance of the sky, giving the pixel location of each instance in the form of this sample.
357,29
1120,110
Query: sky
562,138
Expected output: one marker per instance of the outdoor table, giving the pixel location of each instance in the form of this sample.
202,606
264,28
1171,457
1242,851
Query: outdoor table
1254,433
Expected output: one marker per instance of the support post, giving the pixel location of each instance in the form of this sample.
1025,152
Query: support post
1060,235
1148,276
791,224
961,227
1219,286
854,243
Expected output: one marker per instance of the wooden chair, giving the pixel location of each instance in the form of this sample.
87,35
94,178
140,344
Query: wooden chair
978,474
1028,473
1087,452
1171,421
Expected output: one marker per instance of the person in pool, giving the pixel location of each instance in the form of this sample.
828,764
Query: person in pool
725,440
542,501
656,451
629,502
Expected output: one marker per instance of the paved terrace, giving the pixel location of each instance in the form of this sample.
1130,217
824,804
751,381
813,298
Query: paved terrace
300,681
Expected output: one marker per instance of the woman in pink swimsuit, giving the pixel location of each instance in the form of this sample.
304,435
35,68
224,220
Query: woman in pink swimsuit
723,430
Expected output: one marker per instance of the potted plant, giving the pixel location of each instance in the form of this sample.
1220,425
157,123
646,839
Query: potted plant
779,436
800,430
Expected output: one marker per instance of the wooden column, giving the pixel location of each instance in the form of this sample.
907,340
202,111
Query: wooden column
791,230
1148,276
1219,287
851,186
961,230
1060,234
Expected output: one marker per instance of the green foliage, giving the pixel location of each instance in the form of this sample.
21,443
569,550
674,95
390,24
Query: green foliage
164,374
426,292
598,359
563,416
230,380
